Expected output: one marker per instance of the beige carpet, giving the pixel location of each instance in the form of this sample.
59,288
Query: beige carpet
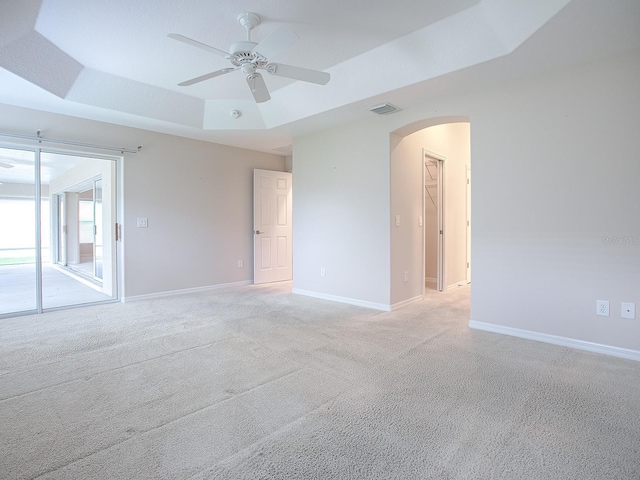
258,383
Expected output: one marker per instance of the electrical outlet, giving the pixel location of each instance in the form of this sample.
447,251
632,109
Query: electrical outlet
142,223
323,272
406,277
628,310
397,220
420,221
240,263
602,308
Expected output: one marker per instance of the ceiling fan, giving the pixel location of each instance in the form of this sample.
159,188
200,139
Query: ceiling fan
250,57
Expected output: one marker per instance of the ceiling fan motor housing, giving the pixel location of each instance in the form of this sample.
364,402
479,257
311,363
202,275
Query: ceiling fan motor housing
241,56
241,47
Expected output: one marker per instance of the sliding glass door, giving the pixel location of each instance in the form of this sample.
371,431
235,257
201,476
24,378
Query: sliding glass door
17,231
59,249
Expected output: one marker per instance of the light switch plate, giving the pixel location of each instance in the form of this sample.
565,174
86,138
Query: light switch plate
397,220
142,223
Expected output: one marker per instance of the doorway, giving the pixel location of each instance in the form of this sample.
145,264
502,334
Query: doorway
57,244
82,205
433,214
429,235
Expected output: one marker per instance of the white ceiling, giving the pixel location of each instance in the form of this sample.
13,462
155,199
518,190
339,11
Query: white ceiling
112,61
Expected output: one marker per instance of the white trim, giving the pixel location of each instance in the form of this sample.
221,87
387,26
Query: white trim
434,155
556,340
407,302
350,301
430,279
185,290
461,283
423,167
468,226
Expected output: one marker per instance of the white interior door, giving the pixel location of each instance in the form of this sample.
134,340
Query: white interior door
273,233
468,225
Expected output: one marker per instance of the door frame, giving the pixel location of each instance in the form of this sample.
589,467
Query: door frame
86,185
468,224
429,156
58,221
95,228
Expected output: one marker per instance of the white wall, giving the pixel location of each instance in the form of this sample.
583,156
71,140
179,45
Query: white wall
451,141
196,195
555,167
341,213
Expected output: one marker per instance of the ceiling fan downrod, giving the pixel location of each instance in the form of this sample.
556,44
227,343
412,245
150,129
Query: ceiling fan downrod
249,21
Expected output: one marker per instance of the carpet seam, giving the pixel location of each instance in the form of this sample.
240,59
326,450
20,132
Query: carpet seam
149,431
79,379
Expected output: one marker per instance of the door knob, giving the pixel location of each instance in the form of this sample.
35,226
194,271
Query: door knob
258,232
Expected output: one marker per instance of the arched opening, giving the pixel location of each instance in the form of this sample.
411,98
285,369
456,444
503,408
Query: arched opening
430,208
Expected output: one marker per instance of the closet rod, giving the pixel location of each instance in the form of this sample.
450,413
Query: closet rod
41,139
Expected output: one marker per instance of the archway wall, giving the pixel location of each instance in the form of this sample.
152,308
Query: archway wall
448,137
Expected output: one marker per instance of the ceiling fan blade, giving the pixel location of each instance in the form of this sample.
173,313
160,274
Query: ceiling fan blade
202,78
278,40
298,73
5,165
258,88
195,43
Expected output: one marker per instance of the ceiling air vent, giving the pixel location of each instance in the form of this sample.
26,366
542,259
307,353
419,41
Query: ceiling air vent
384,109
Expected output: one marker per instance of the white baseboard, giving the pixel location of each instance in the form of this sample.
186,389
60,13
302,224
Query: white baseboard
409,301
185,290
556,340
350,301
457,285
431,279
